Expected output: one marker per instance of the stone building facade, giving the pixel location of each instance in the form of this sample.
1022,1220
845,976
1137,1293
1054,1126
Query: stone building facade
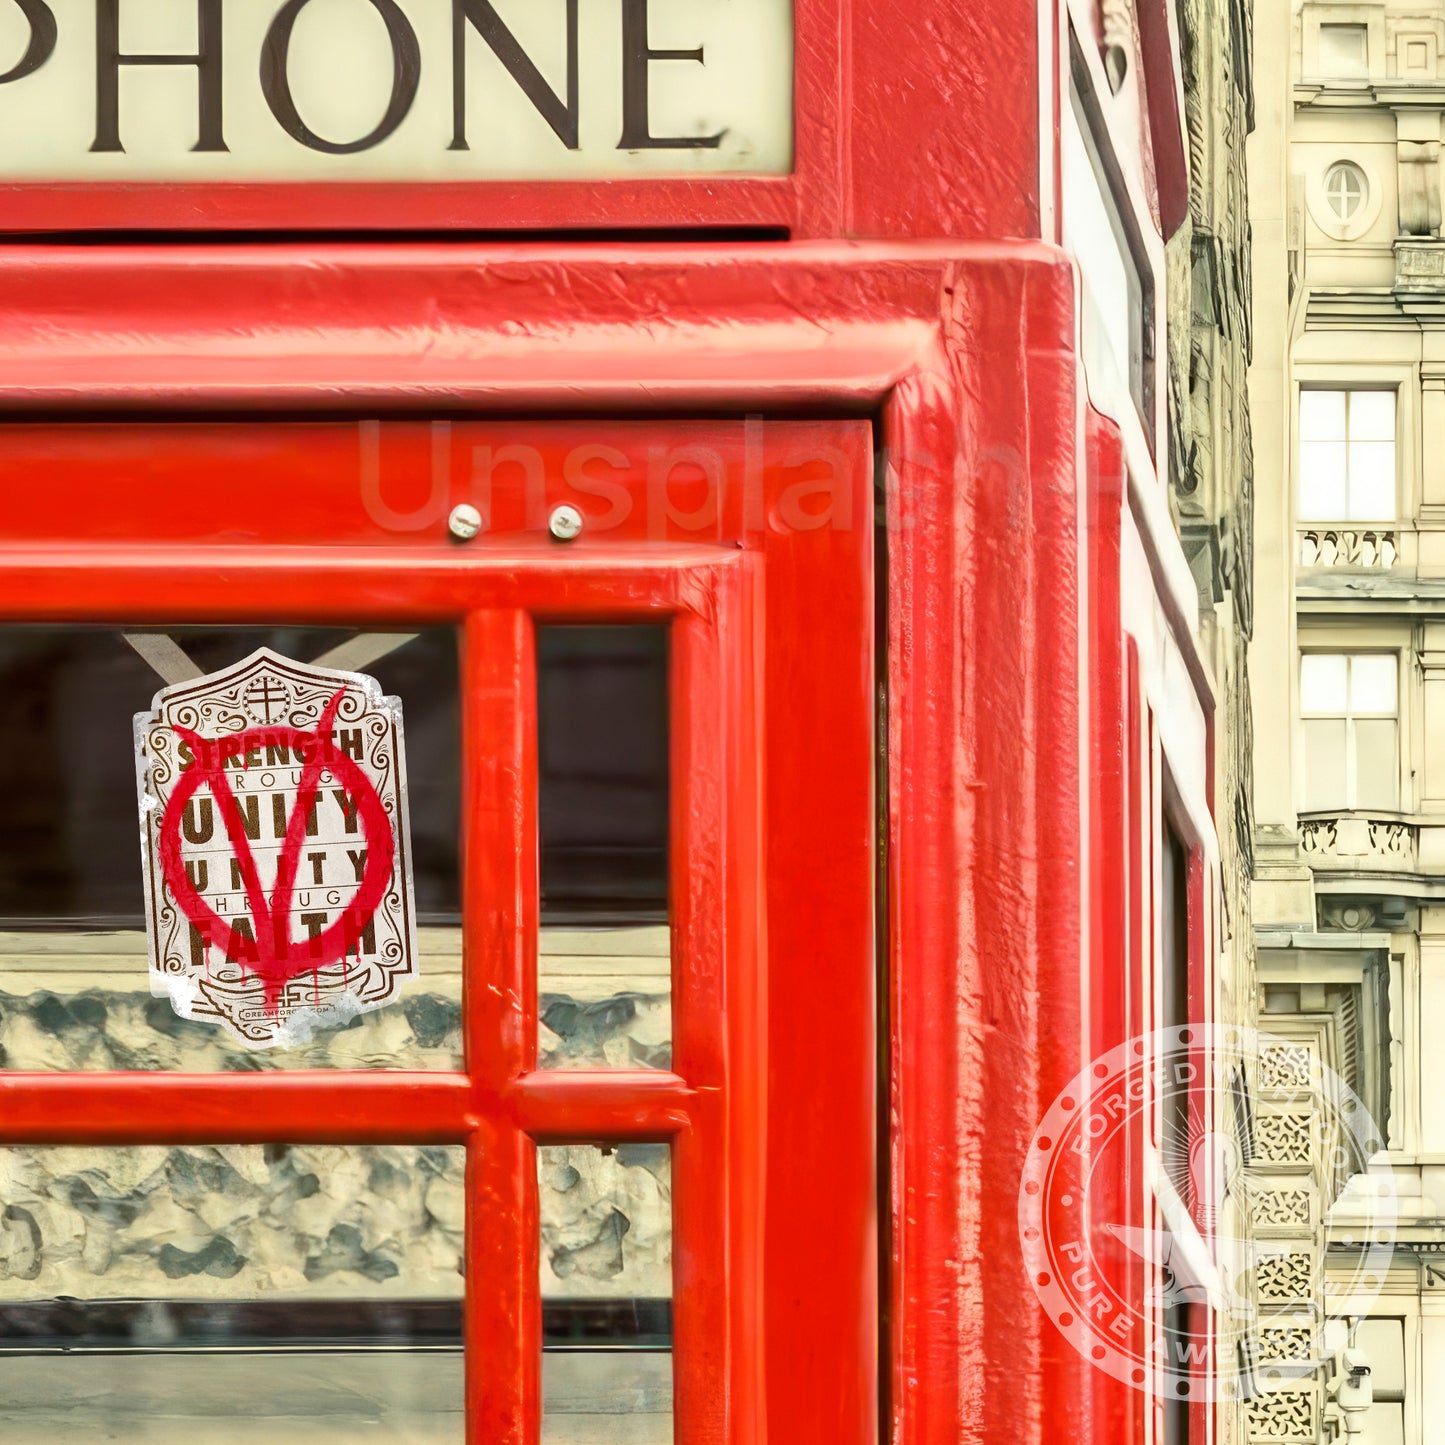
1347,394
1209,337
1210,448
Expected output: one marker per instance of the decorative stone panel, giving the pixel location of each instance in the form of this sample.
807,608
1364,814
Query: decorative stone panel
1284,1139
1285,1068
1420,266
1282,1343
1282,1208
1285,1278
1284,1415
1346,915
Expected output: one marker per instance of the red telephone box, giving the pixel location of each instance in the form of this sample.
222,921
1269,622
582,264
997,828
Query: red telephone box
822,429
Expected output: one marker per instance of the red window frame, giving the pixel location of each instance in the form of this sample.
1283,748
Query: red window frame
772,924
964,356
1136,799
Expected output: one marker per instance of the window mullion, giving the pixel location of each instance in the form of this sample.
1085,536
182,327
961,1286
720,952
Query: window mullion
1346,792
500,907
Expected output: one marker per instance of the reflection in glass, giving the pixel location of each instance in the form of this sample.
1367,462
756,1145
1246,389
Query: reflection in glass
1372,481
1373,676
1322,682
228,1293
1377,771
1323,490
605,986
1347,456
1351,758
73,987
1326,783
1372,416
607,1272
1322,415
603,765
606,998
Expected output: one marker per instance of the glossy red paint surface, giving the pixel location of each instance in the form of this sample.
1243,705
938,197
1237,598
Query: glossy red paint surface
389,484
1015,935
1135,798
963,357
1116,975
889,109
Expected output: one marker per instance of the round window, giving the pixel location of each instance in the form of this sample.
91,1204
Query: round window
1345,189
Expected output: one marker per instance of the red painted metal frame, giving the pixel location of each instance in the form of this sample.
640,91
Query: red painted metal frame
1116,976
747,1079
965,355
887,109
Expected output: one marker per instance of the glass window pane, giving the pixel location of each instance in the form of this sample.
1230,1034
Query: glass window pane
223,1396
606,1396
1344,189
1372,482
605,990
1322,678
605,998
1322,416
1377,773
606,1293
602,702
1326,783
75,992
1372,416
1373,678
1322,490
239,1293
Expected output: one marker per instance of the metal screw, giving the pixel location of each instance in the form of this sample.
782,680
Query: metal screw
465,522
565,523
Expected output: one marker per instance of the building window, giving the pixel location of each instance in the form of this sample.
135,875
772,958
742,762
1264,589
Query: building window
1345,190
1346,456
1344,52
1118,284
1349,707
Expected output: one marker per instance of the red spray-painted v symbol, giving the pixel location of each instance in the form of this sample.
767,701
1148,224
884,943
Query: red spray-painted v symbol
272,954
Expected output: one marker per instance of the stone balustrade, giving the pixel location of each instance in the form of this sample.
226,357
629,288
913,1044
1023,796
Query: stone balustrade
1379,844
1372,547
